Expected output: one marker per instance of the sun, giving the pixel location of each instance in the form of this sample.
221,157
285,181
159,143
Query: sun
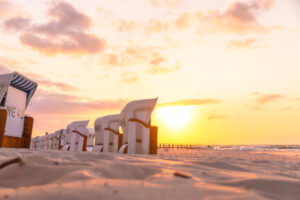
175,117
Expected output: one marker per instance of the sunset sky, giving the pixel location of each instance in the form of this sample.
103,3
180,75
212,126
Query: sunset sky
229,69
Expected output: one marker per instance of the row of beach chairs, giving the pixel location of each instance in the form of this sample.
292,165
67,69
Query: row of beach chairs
128,132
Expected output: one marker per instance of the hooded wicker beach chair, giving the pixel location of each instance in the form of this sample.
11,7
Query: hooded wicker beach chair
16,92
139,137
108,138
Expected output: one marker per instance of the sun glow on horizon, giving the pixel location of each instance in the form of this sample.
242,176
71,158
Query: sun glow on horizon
175,117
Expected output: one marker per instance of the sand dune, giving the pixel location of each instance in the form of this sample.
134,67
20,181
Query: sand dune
173,174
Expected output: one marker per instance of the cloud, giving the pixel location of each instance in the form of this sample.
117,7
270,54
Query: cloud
165,3
4,69
42,82
136,55
48,103
263,99
155,25
160,65
129,77
17,23
126,26
59,85
65,33
47,84
245,11
242,43
5,5
191,102
158,60
183,21
53,111
156,67
130,55
238,18
267,98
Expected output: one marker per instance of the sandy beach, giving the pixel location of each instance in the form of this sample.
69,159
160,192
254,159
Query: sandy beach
172,174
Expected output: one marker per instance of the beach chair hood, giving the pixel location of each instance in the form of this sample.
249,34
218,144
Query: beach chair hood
77,125
109,121
130,110
18,81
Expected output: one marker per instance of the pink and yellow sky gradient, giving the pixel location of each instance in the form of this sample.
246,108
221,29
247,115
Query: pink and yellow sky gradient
229,69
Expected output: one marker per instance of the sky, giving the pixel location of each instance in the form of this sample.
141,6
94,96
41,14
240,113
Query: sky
225,72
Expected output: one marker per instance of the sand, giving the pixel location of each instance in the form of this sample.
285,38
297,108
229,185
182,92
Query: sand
173,174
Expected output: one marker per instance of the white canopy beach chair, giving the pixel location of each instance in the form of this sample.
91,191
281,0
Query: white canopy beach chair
108,138
135,121
77,137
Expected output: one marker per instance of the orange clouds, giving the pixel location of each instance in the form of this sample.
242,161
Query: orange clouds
159,65
64,33
157,69
191,102
267,98
4,7
165,3
48,103
129,77
128,56
239,17
242,43
262,99
148,56
18,23
48,84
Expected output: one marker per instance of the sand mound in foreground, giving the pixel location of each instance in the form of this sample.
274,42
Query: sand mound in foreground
200,174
